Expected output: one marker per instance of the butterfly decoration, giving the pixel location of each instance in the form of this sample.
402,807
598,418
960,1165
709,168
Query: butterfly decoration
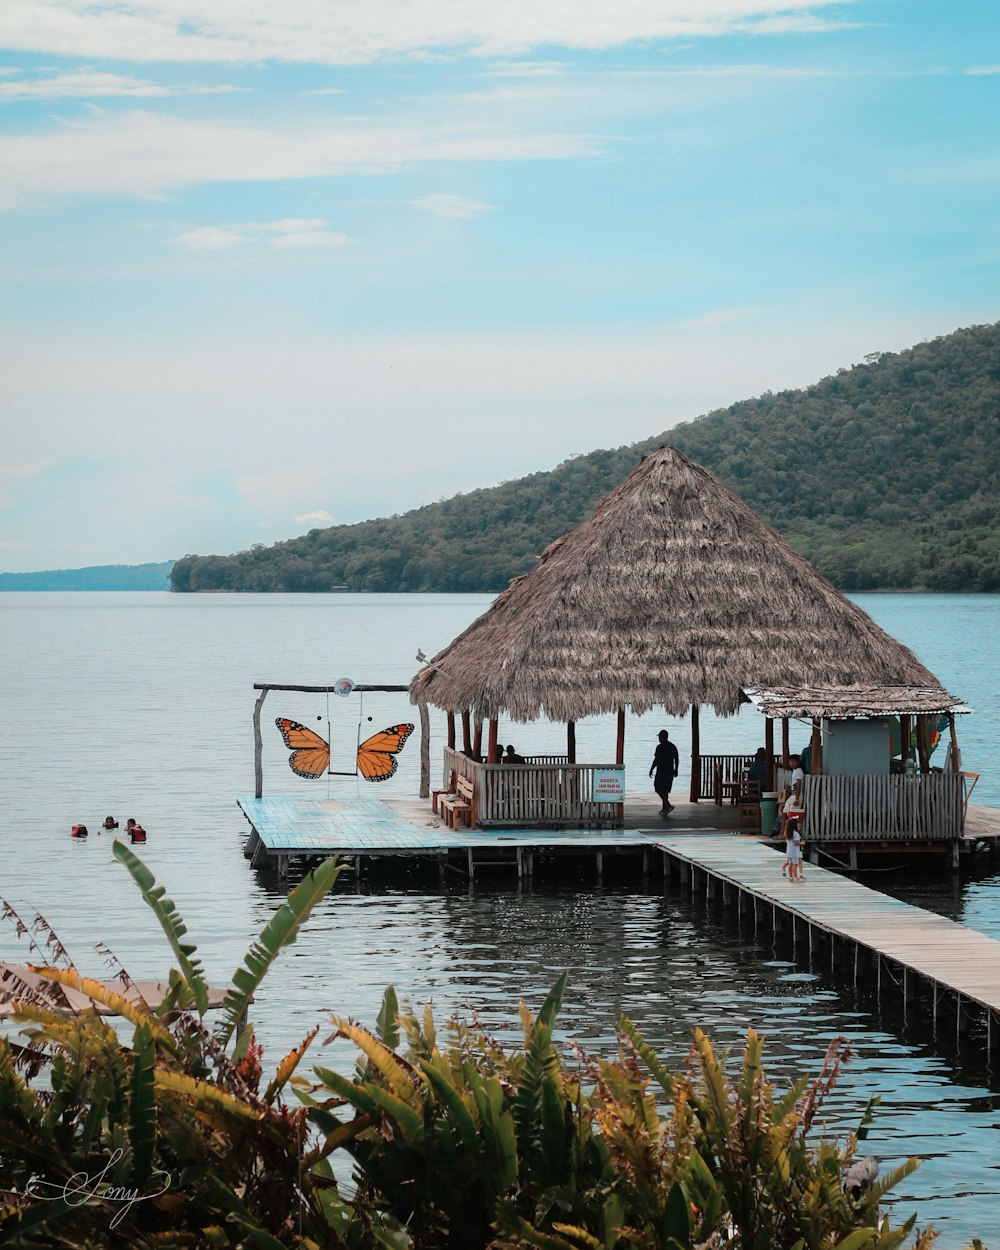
310,754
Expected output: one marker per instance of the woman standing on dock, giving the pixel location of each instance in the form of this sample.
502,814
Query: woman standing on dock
665,766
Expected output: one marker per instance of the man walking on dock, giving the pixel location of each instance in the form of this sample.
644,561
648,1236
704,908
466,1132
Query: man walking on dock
663,770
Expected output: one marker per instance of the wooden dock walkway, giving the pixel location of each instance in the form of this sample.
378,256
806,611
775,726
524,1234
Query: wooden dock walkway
849,927
883,943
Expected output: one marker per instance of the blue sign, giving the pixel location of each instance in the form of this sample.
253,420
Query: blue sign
609,785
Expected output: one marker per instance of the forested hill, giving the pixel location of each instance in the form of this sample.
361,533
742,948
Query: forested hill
96,577
886,476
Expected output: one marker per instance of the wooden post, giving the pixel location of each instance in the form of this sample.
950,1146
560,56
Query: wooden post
816,763
466,733
491,750
786,748
425,751
451,730
695,755
956,754
477,740
923,744
620,748
904,738
571,741
769,752
258,747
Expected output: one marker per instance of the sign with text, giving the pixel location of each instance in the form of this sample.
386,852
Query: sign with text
609,785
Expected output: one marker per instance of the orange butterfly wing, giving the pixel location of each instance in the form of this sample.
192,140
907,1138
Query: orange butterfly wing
310,754
377,754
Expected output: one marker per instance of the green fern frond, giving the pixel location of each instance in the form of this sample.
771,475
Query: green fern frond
170,922
280,931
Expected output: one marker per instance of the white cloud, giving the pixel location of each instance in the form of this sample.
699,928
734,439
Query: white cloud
140,153
453,206
983,69
320,517
94,84
286,232
318,32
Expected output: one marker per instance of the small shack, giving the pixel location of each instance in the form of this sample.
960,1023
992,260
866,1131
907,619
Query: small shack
673,594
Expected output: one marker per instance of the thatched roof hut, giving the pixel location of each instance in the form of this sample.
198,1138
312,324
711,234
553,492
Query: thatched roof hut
674,593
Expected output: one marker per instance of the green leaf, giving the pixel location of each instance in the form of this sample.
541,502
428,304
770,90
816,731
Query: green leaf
548,1009
677,1217
170,922
142,1098
387,1025
280,931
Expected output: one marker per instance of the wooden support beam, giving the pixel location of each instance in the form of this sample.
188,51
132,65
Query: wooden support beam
904,738
477,740
816,762
956,754
769,752
571,741
491,750
425,751
695,793
258,746
620,747
786,749
451,731
923,744
466,732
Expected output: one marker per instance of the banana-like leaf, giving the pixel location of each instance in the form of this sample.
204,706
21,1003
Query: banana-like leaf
657,1071
387,1024
136,1013
142,1096
587,1240
509,1222
287,1066
438,1076
170,922
385,1061
857,1240
207,1097
547,1011
280,931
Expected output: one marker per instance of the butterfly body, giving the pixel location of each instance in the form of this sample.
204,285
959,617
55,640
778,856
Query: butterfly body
310,754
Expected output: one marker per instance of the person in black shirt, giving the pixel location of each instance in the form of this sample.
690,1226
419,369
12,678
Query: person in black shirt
663,770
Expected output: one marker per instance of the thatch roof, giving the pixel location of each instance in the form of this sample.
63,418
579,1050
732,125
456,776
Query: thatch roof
674,592
840,702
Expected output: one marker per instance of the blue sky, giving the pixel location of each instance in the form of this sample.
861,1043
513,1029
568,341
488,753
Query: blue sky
274,265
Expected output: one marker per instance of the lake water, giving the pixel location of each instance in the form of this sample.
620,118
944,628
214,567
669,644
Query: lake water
141,704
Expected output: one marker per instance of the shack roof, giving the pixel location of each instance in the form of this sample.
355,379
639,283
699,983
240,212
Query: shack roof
674,592
844,702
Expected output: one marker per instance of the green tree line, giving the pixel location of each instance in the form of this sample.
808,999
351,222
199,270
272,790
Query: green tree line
885,476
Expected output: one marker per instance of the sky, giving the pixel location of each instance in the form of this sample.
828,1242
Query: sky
269,265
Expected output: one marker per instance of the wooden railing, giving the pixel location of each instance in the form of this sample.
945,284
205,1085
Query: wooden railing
718,775
551,794
882,806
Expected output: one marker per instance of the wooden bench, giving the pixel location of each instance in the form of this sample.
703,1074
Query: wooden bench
448,792
460,804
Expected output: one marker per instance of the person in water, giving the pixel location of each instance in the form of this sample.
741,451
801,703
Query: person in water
78,831
135,832
110,822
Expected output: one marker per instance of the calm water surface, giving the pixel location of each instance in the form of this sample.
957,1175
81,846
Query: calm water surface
141,705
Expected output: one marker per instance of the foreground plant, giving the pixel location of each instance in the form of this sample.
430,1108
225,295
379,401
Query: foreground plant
469,1146
458,1144
173,1120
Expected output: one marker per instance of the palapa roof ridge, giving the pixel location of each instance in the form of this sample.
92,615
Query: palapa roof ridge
673,592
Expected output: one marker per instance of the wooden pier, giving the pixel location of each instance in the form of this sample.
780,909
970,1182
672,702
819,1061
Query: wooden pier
846,927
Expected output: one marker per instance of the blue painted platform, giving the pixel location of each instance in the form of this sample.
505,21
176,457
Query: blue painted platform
282,827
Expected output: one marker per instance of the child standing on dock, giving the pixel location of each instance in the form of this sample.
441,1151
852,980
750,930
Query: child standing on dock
793,849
